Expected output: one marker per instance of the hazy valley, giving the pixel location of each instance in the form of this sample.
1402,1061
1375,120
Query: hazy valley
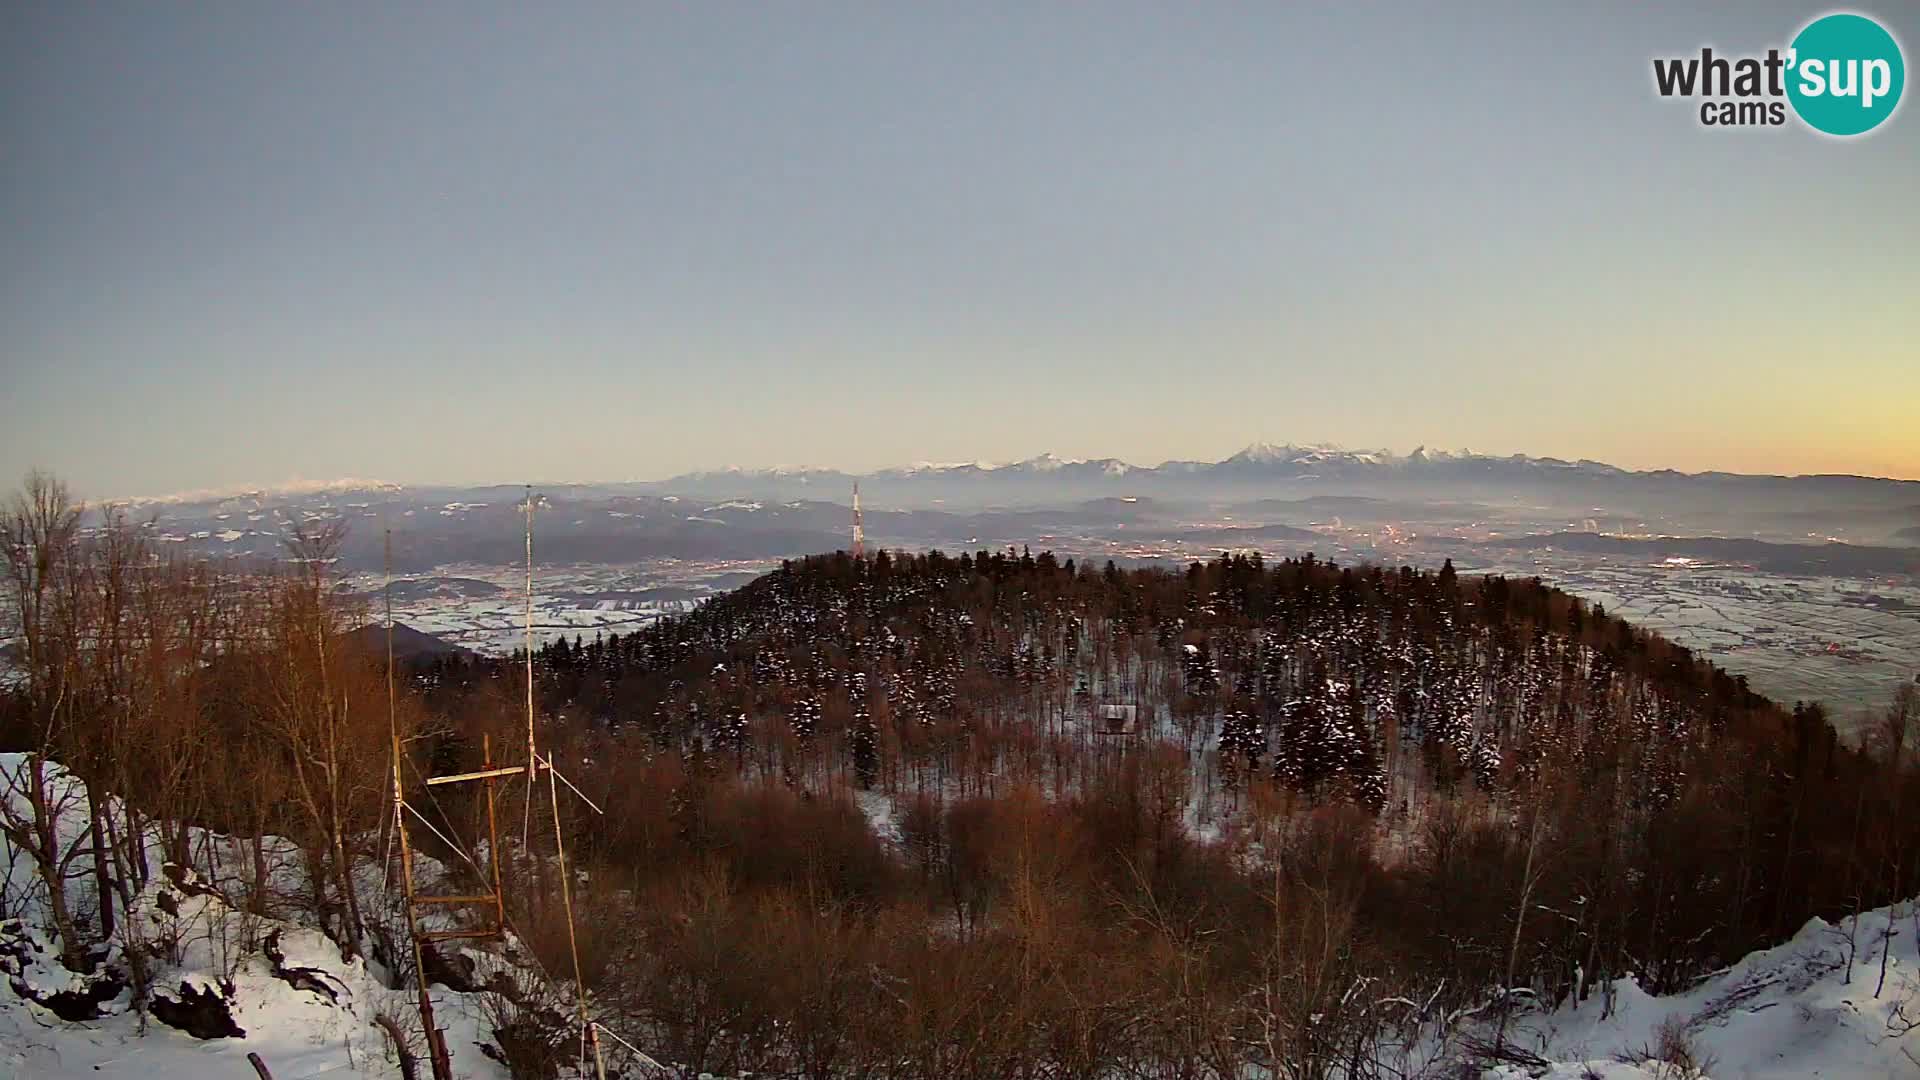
1809,586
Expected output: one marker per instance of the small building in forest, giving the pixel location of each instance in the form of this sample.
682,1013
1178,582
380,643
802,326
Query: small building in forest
1116,719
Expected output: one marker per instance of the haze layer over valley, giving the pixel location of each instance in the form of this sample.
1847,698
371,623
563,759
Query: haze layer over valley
1807,585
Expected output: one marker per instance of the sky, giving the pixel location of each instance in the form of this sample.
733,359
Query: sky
477,242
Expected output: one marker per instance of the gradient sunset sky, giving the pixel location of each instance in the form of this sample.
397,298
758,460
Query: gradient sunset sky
457,242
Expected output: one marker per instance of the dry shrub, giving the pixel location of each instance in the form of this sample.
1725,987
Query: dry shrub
599,931
531,1034
401,1042
1672,1055
698,987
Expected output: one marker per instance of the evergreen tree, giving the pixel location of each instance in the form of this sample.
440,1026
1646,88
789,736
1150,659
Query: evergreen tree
1242,743
863,738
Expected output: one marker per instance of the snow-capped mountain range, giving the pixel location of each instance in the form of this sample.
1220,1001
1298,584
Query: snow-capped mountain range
1258,470
1276,457
1264,468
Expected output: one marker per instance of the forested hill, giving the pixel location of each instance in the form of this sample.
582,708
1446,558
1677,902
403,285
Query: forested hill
1496,738
1362,684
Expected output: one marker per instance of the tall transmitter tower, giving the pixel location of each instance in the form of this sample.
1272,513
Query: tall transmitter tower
859,533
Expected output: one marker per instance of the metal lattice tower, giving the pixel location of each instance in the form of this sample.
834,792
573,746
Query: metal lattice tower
859,532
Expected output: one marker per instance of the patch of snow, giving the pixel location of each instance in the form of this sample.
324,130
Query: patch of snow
199,941
877,807
1795,1010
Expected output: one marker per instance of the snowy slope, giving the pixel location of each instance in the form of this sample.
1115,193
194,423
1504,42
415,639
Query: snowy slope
1795,1010
298,1032
290,995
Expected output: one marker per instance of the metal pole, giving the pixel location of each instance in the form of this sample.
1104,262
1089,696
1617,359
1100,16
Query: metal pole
531,755
442,1066
493,842
573,945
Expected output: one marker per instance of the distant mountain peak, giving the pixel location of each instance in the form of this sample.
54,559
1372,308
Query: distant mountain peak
1265,453
343,485
1047,462
1262,453
1255,463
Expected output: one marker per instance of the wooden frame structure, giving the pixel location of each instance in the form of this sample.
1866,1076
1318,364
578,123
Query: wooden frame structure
490,775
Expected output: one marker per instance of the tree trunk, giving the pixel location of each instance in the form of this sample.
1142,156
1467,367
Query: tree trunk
102,876
53,870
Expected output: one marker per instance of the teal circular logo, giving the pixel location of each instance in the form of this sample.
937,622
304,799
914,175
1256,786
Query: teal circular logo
1845,74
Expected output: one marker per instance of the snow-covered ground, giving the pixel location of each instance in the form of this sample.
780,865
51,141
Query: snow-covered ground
1796,1010
288,994
325,1032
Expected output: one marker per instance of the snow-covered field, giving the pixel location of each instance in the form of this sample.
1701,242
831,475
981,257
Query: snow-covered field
1842,641
483,608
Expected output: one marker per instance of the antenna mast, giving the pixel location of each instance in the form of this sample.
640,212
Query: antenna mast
436,1043
490,773
533,755
859,533
589,1031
